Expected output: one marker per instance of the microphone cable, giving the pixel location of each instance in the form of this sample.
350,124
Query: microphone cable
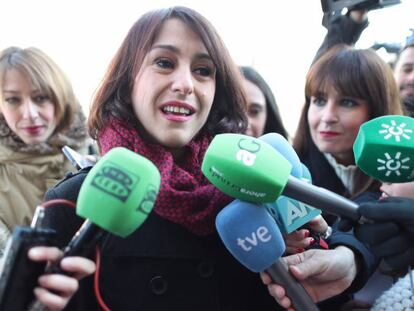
96,281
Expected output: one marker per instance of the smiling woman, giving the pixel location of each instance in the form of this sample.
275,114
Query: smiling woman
171,87
184,74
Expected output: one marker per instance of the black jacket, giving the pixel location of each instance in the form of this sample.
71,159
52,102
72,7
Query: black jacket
161,266
323,175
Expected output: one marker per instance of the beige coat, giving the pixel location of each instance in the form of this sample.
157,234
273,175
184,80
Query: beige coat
26,174
24,178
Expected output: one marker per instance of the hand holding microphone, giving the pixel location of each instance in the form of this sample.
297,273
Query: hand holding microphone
115,197
391,236
383,149
253,238
55,290
323,273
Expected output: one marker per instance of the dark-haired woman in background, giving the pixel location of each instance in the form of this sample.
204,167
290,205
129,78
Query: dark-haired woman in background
262,111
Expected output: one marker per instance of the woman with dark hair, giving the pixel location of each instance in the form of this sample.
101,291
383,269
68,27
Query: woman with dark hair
169,89
262,111
344,88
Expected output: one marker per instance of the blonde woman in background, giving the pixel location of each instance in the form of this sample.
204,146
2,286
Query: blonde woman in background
39,114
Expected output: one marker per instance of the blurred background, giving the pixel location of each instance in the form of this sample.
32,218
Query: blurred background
278,38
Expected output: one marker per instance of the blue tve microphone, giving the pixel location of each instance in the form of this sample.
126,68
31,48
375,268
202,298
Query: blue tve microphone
289,213
254,239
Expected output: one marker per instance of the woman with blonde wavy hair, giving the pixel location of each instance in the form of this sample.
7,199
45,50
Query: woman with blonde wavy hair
39,114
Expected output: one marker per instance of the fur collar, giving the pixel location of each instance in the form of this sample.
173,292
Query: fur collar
73,137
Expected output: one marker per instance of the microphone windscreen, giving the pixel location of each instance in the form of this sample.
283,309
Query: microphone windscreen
250,234
246,168
289,214
119,191
279,143
384,148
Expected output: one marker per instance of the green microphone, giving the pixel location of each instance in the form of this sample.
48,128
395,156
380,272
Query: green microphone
384,148
230,156
116,197
251,170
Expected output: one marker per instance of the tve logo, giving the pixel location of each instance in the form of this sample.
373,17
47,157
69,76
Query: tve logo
260,235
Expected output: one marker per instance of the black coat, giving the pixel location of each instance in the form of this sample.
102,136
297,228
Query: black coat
161,266
323,175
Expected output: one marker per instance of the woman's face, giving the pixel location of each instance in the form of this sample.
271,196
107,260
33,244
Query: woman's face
256,109
174,90
398,190
29,113
334,122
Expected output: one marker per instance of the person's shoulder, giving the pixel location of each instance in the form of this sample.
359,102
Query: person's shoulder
68,187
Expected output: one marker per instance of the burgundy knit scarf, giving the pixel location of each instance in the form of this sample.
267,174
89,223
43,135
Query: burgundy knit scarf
186,197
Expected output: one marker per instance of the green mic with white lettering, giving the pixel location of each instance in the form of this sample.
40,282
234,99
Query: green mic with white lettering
251,170
384,148
231,158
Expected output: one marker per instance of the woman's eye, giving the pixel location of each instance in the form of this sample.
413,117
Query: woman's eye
318,101
408,70
204,71
12,100
349,103
40,98
164,63
254,111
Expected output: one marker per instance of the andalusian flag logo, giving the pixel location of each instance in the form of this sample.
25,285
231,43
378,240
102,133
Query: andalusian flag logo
396,131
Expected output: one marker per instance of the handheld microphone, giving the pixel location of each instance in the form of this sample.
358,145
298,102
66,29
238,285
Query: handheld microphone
384,148
289,213
280,144
249,169
253,238
116,197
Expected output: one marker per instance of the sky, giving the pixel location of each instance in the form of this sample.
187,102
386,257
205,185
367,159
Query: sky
278,38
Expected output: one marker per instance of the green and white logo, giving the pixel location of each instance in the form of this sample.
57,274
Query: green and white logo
393,165
396,131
